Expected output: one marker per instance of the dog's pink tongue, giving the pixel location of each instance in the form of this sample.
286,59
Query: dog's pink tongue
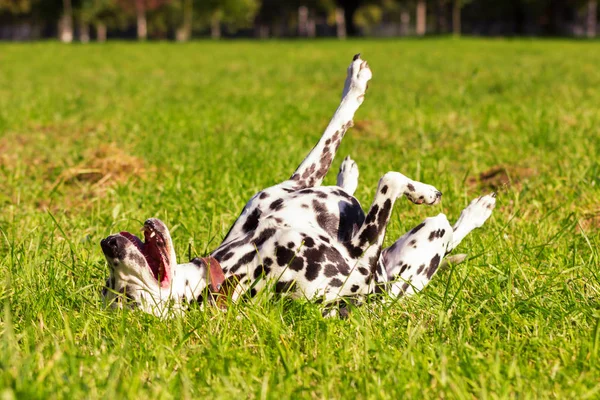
133,239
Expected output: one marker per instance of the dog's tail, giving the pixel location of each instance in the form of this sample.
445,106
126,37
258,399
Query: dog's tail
453,259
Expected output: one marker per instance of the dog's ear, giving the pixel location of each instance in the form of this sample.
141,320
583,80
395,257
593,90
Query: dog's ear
216,277
226,291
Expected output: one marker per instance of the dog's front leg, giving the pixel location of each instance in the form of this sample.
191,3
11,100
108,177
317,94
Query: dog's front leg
315,166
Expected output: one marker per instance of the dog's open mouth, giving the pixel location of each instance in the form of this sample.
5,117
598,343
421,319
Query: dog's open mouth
155,251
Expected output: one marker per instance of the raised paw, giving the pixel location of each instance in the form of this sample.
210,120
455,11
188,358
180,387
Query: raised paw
347,178
422,193
359,74
480,209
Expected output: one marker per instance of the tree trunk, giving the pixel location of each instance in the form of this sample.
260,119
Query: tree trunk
184,33
592,16
302,21
84,32
350,7
404,23
340,23
262,31
142,27
421,18
215,26
440,18
65,25
101,32
456,29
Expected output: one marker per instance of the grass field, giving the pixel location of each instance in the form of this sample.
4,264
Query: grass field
96,138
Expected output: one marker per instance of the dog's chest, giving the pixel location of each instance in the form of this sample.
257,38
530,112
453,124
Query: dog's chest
324,210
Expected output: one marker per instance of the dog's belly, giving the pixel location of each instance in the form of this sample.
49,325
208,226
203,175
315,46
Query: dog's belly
325,210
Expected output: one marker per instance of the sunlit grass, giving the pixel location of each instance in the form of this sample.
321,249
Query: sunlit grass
96,138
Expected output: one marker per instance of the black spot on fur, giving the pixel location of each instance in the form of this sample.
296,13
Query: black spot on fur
227,256
267,262
309,242
436,234
433,266
252,292
372,214
327,221
363,271
284,255
264,236
403,268
245,259
344,269
354,251
297,264
252,221
354,288
290,245
384,189
263,195
330,270
418,227
420,269
284,287
276,205
324,238
373,262
369,234
304,206
410,187
335,282
333,255
413,243
384,214
312,272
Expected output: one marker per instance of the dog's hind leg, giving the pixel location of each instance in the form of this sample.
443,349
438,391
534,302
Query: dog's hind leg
315,166
412,261
365,245
347,177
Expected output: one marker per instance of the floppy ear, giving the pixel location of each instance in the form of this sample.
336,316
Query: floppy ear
216,277
220,288
227,291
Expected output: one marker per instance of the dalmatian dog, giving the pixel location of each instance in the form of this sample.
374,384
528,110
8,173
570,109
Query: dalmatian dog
298,238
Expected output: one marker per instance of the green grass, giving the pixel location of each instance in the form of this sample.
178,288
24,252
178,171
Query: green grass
188,132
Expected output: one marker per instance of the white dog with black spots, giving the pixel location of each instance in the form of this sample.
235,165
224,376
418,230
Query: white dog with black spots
298,237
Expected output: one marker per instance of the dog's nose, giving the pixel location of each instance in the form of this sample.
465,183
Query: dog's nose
438,195
109,246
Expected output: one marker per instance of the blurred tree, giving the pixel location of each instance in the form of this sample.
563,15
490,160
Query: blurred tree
102,14
184,32
350,7
591,18
457,6
139,8
65,23
234,13
368,16
16,6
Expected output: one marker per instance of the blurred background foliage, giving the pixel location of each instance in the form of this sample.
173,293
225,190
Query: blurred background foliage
85,20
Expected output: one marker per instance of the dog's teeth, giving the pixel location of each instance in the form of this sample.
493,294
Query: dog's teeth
152,234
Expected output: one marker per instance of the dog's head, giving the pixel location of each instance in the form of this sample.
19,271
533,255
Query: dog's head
140,271
145,274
